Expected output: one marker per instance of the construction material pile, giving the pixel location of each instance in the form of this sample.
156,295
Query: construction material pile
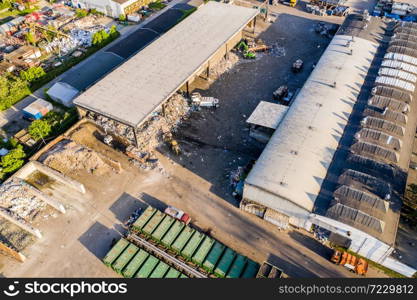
82,37
150,134
224,65
111,126
69,157
17,199
64,45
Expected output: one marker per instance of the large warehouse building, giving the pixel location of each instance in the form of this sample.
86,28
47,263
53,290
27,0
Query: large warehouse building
338,159
137,88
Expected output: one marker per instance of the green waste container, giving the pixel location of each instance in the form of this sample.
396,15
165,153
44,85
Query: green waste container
213,257
172,233
115,251
203,250
147,267
183,276
144,218
182,239
225,263
172,273
251,270
192,245
162,228
124,258
160,270
153,223
237,267
130,270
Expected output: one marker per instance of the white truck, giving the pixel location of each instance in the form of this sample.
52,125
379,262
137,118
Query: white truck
198,100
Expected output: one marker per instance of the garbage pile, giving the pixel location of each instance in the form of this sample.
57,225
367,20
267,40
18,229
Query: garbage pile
17,199
69,158
64,45
111,126
83,37
150,134
223,65
324,29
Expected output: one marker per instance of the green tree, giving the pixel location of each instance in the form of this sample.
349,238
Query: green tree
104,35
12,89
97,38
30,38
113,31
13,160
122,17
39,129
32,74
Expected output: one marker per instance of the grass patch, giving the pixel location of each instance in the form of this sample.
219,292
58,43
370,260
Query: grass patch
157,5
186,13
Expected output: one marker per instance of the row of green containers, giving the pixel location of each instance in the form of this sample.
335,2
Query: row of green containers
194,246
130,261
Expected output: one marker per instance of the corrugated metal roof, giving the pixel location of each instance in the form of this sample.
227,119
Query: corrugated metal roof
295,161
138,86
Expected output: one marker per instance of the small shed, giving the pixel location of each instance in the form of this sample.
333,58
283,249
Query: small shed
37,109
265,119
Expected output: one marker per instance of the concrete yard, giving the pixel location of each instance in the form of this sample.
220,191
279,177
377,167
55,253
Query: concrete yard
213,143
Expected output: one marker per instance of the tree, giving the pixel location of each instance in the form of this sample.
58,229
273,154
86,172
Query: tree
104,35
113,31
81,13
30,38
97,38
32,74
122,17
12,89
13,160
39,129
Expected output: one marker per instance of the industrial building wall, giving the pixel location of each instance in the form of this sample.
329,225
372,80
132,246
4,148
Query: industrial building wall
108,7
298,216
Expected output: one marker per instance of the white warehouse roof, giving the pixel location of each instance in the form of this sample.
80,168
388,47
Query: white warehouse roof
298,155
134,89
267,114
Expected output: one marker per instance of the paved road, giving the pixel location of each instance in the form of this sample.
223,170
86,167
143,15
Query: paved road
85,73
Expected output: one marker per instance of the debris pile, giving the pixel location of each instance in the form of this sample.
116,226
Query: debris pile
150,134
69,157
17,199
111,126
223,66
13,236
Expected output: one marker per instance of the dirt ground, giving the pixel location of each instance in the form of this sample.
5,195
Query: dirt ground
214,143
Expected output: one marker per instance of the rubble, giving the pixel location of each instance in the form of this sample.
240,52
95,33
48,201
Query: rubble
13,236
17,199
69,157
223,65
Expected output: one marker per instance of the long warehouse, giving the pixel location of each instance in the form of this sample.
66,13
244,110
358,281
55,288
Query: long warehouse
138,87
339,158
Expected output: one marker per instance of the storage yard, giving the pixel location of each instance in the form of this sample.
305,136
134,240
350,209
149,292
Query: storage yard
142,146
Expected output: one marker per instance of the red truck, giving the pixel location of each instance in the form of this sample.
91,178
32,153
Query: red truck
178,214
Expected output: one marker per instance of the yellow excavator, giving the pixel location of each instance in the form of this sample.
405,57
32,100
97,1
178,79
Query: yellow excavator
169,139
291,3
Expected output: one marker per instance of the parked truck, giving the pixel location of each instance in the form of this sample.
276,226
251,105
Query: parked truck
198,100
351,262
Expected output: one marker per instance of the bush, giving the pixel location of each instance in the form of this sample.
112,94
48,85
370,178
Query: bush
101,38
32,74
81,13
12,90
12,160
157,5
39,129
122,17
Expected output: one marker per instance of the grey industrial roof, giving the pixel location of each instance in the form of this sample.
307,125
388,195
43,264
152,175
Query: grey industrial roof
267,114
137,87
298,155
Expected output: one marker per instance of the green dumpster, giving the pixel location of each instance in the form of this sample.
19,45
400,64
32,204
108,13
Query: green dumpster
183,276
144,218
213,257
115,251
172,273
147,267
153,223
237,267
251,270
162,228
203,250
182,239
130,270
124,258
160,270
172,234
192,245
225,263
